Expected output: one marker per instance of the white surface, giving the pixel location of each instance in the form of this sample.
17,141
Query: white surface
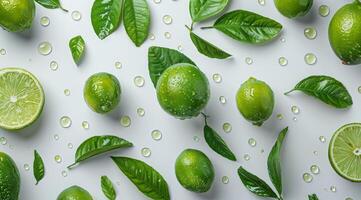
314,120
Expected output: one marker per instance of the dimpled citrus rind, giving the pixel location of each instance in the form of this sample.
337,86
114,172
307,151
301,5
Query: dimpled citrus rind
293,8
74,193
16,15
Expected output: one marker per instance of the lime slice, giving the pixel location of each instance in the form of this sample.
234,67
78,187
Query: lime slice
21,98
345,151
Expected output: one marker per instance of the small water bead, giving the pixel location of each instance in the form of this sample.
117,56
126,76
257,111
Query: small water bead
151,36
156,135
167,35
167,19
246,157
85,125
282,61
125,121
225,180
307,177
359,89
45,48
58,159
44,21
54,65
349,198
157,1
324,10
333,188
279,116
252,142
139,81
315,153
2,52
310,59
294,119
196,138
261,2
146,152
322,139
223,100
283,40
70,146
56,137
217,78
140,112
65,122
67,92
227,127
315,169
3,140
249,60
26,167
310,33
118,65
64,173
262,150
180,47
76,15
295,110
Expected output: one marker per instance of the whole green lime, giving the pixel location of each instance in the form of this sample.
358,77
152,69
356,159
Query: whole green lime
74,193
102,92
344,33
255,101
293,8
183,90
9,178
194,171
16,15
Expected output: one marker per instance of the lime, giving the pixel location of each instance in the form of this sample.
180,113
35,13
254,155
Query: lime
102,92
183,90
255,101
293,8
344,33
21,98
344,151
9,178
74,193
194,170
17,15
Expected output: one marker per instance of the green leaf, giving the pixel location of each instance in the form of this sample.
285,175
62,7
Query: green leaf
77,47
51,4
144,177
38,167
312,197
217,143
255,185
274,162
326,89
97,145
136,20
107,188
160,58
106,16
203,9
246,26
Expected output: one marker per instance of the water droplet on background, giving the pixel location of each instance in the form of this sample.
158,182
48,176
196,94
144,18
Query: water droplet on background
248,60
333,188
118,65
157,1
76,15
282,61
66,92
140,112
322,139
146,152
2,52
310,59
246,157
44,21
307,177
252,142
359,89
65,122
223,100
70,146
56,137
64,173
85,125
139,81
315,169
54,65
3,140
156,135
196,138
310,33
283,40
167,19
45,48
262,2
217,78
58,159
295,110
125,121
151,36
279,116
180,48
227,127
26,167
225,180
167,35
324,10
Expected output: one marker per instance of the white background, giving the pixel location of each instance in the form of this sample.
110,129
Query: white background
315,118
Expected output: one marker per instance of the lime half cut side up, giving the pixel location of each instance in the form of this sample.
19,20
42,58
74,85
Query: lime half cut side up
345,151
21,98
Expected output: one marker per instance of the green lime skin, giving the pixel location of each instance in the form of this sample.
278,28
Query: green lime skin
74,193
102,92
293,8
9,178
183,90
194,171
255,101
344,33
16,15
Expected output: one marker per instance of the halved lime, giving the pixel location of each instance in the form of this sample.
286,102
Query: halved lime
345,151
21,98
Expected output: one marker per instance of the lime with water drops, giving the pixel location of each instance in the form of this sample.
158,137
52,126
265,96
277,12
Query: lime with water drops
17,15
293,8
74,193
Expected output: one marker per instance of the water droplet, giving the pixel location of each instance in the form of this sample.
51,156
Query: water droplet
58,159
225,180
125,121
307,177
44,21
54,65
26,167
322,139
295,110
140,112
2,52
315,169
359,89
315,153
64,173
333,188
249,60
85,125
279,116
310,33
349,198
3,140
196,138
283,40
146,152
223,100
262,150
324,10
118,65
167,35
156,135
282,61
252,142
157,1
167,19
294,119
151,36
310,59
246,157
56,137
227,127
139,81
217,78
66,92
45,48
70,146
261,2
65,122
180,48
76,15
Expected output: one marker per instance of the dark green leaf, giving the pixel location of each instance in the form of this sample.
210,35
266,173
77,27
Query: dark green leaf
144,177
274,162
312,197
255,184
51,4
106,16
326,89
217,143
38,167
107,188
203,9
97,145
77,47
247,26
136,20
160,58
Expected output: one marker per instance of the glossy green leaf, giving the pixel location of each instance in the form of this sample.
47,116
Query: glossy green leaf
106,16
51,4
217,143
246,26
97,145
255,184
203,9
160,58
274,162
108,188
136,20
77,48
144,177
312,197
206,48
38,167
326,89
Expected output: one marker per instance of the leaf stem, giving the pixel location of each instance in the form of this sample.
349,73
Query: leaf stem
192,25
189,28
72,165
286,93
63,9
205,118
207,27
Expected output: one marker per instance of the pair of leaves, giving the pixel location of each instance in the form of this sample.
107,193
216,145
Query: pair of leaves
312,197
144,177
97,145
201,10
257,185
108,188
51,4
38,167
216,143
326,89
77,48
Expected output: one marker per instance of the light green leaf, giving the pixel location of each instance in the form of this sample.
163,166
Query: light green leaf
217,143
203,9
51,4
77,47
38,167
107,188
